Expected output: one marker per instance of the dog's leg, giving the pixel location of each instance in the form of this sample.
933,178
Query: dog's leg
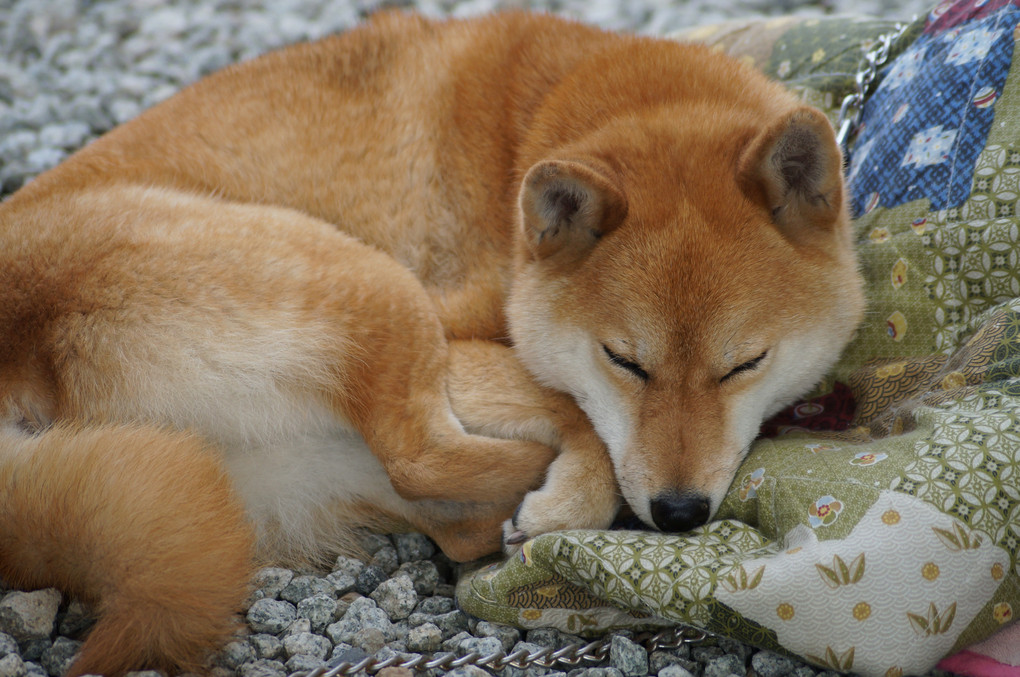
396,394
395,390
492,394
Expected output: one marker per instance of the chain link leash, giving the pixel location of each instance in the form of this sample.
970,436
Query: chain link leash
875,55
590,654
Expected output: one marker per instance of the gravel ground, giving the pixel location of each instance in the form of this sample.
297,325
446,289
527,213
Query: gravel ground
72,69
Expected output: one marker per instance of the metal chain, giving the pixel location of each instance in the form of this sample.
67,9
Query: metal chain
875,55
592,653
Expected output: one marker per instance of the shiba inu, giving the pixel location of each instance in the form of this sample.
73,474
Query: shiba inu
296,298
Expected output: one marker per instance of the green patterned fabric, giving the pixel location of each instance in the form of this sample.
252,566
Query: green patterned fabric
818,58
879,549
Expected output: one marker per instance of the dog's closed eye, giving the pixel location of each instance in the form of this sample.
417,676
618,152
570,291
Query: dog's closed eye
624,363
750,365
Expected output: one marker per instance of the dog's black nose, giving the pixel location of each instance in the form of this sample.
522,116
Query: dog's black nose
673,511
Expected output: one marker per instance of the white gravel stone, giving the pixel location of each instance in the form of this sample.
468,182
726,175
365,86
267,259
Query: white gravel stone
320,610
303,587
725,666
122,110
423,574
18,143
482,645
308,644
629,658
424,638
271,615
396,597
8,644
11,665
266,646
303,662
342,581
386,559
299,626
348,565
58,658
369,640
674,671
467,671
450,623
237,653
271,580
29,615
412,547
362,614
41,159
263,668
507,635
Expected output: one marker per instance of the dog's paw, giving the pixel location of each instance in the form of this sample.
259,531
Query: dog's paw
513,538
543,511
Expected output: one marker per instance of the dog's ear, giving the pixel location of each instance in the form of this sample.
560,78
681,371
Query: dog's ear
566,206
795,167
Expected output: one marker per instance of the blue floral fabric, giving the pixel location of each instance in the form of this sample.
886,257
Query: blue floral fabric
930,117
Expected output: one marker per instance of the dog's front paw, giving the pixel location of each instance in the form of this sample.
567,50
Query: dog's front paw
544,510
513,538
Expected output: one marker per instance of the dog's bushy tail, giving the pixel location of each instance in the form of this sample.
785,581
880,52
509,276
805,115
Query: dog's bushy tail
140,522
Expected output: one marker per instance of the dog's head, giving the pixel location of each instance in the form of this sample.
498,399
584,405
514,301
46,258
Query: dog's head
684,282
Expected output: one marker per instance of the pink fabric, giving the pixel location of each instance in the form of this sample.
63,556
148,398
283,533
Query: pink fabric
997,656
973,664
